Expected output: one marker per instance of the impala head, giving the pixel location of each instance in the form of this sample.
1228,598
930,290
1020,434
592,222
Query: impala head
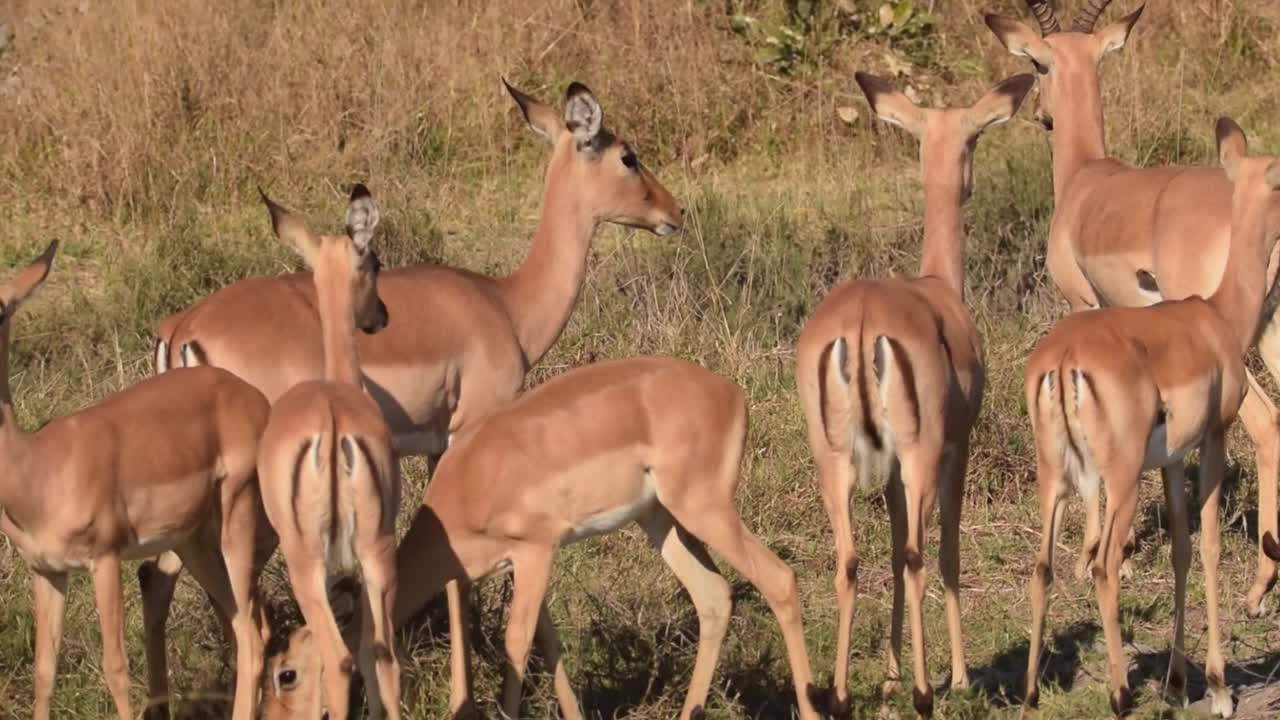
293,689
947,136
601,168
1255,180
346,259
1067,61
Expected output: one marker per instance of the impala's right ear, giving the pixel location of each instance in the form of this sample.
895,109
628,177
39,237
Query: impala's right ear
290,229
542,119
1232,146
362,217
891,105
1001,103
1019,39
20,287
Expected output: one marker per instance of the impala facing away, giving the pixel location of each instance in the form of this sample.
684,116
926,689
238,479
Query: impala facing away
656,441
463,342
1130,237
167,464
890,375
1116,391
329,477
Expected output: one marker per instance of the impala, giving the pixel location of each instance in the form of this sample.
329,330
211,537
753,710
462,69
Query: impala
1122,236
1116,391
294,677
167,464
329,478
656,441
463,342
890,375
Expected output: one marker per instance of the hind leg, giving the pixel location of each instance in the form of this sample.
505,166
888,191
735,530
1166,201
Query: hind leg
1052,489
1212,467
552,651
1261,421
835,480
1122,477
532,566
239,536
952,502
688,559
896,503
1175,493
920,483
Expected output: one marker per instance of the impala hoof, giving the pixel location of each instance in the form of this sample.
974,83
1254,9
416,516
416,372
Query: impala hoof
1122,702
1220,702
840,708
923,701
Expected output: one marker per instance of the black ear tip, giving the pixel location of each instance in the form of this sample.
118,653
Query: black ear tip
1019,85
1226,127
52,250
575,89
359,191
871,85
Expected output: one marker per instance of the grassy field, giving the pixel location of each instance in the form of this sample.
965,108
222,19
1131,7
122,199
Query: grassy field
136,130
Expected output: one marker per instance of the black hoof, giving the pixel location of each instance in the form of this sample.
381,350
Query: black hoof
923,702
1122,702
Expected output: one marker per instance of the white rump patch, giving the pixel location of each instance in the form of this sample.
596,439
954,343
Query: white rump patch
162,356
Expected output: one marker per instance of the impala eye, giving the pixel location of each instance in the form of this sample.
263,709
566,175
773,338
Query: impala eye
631,161
288,679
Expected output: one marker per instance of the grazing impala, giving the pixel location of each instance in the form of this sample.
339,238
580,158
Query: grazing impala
890,375
1122,236
1116,391
656,441
167,464
293,683
329,477
463,342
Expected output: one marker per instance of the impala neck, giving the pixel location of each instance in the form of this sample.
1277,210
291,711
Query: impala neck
338,328
12,439
539,296
942,254
1243,288
1077,134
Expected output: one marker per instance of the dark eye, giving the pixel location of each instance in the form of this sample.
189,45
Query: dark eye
288,679
631,161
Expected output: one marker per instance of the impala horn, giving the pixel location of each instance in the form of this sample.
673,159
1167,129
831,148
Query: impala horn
1044,13
1089,16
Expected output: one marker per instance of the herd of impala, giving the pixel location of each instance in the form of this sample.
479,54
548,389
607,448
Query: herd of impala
280,407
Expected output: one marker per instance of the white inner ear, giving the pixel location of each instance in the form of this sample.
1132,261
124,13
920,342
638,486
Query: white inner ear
362,218
584,116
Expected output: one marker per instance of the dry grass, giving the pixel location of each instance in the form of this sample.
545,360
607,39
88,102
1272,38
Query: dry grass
136,130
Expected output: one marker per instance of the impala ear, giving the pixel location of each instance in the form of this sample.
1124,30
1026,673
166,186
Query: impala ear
290,229
1232,146
1019,39
1001,103
1114,36
20,287
890,105
582,114
541,118
362,217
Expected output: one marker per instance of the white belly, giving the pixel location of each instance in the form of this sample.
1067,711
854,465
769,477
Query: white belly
613,518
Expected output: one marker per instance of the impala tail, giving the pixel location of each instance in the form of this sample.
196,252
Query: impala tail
1064,402
867,400
325,481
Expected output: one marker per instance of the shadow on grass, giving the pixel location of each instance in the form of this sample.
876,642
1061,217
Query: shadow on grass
1154,666
1003,681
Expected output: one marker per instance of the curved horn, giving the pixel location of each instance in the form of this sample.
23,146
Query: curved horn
1089,16
1044,13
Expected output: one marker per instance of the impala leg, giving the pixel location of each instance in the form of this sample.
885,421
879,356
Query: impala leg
1053,491
1175,495
310,589
952,501
461,697
1121,507
920,480
896,502
378,661
835,478
49,601
1212,467
1262,423
532,573
157,579
722,529
687,557
553,652
240,518
115,664
1092,534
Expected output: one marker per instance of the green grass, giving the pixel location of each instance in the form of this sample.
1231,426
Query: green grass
140,136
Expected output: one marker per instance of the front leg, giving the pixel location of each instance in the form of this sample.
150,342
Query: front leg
49,601
115,664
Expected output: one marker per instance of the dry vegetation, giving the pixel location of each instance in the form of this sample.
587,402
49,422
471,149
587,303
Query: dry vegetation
136,130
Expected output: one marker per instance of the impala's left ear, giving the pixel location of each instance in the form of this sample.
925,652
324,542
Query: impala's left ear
290,230
889,104
20,287
1114,36
362,217
1001,103
582,115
